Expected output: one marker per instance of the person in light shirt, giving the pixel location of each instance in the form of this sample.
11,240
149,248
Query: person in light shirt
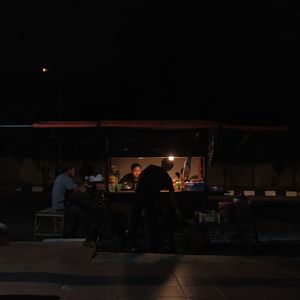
63,186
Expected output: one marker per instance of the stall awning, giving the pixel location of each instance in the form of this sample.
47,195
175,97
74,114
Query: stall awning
157,125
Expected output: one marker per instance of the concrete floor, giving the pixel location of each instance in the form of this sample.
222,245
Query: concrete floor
66,269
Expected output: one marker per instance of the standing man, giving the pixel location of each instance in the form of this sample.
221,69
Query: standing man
62,187
151,181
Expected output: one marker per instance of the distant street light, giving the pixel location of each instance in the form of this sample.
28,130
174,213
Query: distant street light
45,69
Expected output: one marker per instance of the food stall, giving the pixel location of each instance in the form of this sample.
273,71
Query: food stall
108,141
148,139
147,142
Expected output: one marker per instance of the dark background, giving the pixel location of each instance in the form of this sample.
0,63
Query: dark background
232,62
148,60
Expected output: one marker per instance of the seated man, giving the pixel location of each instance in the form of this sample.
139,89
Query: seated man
63,185
131,179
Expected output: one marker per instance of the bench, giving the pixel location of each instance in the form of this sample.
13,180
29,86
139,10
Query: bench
48,223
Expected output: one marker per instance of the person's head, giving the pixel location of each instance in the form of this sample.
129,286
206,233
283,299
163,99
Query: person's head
167,164
136,170
69,170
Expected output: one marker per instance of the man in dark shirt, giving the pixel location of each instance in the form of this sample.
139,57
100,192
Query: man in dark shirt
131,179
151,181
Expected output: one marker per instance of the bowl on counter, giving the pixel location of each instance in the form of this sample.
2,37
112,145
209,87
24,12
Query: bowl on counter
126,188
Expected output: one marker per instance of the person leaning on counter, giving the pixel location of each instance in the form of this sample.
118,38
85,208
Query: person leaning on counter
151,181
131,179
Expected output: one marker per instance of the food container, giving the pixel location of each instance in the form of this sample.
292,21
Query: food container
195,186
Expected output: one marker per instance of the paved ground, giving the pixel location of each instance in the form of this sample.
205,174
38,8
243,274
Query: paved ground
66,269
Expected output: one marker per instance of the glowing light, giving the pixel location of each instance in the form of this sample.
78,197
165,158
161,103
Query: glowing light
45,69
171,158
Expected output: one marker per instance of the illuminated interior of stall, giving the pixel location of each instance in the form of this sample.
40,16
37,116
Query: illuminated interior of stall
197,170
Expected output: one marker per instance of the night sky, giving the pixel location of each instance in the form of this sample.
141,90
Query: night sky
148,60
